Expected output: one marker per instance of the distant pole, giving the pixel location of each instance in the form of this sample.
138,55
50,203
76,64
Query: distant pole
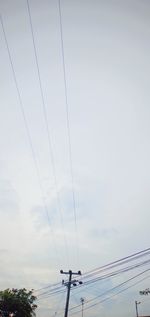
136,308
68,284
82,302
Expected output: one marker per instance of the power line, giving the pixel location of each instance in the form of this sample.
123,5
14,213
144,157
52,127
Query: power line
47,125
103,278
27,129
68,123
59,290
105,268
55,289
45,287
111,296
55,293
113,288
110,290
101,295
126,269
117,262
89,283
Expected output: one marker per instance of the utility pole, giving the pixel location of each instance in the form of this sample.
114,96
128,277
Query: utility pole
82,302
136,308
68,284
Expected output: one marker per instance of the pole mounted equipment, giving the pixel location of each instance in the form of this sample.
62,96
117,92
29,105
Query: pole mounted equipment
145,292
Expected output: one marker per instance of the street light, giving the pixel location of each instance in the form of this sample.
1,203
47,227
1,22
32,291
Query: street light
136,308
82,303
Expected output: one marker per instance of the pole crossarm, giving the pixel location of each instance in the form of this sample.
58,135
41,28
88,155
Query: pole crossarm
70,272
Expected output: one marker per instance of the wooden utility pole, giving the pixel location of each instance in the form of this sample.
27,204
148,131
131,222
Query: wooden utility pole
68,284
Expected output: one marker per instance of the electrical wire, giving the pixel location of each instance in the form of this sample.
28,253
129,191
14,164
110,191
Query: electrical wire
111,296
105,268
88,284
28,133
126,269
114,288
47,127
117,262
68,126
51,291
45,287
52,294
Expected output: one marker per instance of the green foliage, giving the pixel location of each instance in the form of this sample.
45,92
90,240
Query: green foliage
18,301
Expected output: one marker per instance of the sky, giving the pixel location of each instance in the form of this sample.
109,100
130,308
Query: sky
75,177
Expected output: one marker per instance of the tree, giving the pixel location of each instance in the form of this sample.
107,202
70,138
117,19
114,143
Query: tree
20,302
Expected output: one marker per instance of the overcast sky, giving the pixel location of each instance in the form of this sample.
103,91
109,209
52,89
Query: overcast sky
107,63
